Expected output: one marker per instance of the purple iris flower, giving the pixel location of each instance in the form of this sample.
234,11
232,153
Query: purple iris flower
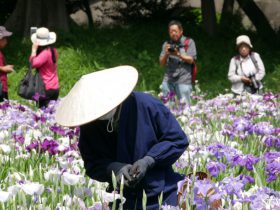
272,141
276,131
18,136
230,108
272,160
228,131
205,193
5,105
269,96
246,179
263,128
169,97
245,160
21,108
57,129
202,187
33,145
242,124
51,146
98,206
233,185
220,151
252,114
215,168
258,199
37,96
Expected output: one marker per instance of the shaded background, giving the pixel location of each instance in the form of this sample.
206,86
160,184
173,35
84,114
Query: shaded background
94,34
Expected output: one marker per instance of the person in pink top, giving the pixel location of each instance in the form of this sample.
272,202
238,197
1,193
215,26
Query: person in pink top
4,69
44,58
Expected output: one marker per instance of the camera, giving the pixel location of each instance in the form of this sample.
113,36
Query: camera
33,30
255,83
173,46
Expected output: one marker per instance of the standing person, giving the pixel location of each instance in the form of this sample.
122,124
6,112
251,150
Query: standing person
246,70
130,133
44,58
4,69
178,61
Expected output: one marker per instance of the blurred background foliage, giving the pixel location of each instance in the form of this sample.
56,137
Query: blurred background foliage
137,41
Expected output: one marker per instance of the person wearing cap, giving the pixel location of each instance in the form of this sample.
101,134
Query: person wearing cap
44,58
129,133
246,70
4,68
178,62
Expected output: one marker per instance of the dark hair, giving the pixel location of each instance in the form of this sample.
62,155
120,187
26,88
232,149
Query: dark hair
41,48
177,23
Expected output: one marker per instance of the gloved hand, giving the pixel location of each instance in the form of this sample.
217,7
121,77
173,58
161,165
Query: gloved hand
140,167
120,169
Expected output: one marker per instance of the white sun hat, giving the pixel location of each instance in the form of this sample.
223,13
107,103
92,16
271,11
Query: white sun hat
43,37
243,39
96,94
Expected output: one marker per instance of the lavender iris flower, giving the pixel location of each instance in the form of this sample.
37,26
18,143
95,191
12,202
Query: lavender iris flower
245,160
263,128
272,141
215,167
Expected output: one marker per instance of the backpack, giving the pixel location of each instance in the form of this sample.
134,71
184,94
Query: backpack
194,66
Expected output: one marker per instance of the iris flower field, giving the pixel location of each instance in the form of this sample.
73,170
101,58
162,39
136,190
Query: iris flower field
234,144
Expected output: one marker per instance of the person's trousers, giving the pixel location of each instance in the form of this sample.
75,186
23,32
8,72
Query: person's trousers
3,96
183,91
50,95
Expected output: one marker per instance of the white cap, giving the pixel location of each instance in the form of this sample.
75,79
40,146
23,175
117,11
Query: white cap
243,39
43,37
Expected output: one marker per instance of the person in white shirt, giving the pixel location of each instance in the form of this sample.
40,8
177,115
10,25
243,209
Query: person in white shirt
246,70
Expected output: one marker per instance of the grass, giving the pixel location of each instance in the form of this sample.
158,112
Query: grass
83,51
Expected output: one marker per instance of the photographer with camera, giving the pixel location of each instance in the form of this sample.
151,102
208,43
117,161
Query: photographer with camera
178,55
246,69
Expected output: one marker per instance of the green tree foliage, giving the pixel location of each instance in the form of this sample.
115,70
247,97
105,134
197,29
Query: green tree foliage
157,9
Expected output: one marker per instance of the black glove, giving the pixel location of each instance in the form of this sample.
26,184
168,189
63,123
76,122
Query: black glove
140,167
120,169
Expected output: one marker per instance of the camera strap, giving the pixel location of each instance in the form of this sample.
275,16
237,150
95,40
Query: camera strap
253,58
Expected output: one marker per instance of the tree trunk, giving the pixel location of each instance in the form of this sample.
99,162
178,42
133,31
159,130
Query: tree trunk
257,17
227,13
40,13
209,16
88,12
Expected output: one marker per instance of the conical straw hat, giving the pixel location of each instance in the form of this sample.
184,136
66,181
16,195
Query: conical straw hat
96,94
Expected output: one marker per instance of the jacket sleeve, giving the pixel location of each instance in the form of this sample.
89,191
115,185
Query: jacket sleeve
232,76
95,160
172,141
39,60
261,73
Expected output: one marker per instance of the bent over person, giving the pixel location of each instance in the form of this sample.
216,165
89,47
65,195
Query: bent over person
130,133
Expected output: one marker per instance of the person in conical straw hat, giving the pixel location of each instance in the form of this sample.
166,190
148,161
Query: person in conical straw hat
129,133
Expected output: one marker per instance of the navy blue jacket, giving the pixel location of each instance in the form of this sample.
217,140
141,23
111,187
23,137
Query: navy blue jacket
146,127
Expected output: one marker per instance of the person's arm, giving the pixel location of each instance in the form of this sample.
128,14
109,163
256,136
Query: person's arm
261,73
37,60
232,75
186,58
97,157
95,162
172,141
164,54
7,68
